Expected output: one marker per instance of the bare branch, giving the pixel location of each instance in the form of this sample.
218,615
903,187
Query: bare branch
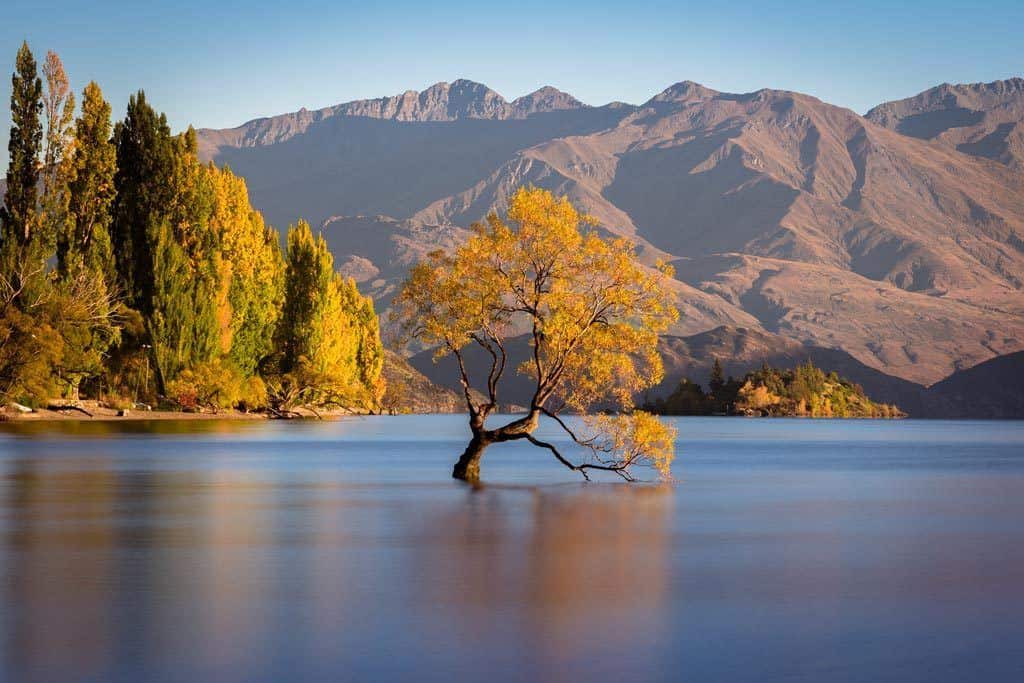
544,444
464,379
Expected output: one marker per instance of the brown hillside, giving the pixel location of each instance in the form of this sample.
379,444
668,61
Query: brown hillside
782,213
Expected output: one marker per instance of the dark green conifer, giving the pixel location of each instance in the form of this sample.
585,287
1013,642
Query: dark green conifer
19,209
145,166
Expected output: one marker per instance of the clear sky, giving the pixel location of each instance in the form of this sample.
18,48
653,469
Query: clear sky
218,63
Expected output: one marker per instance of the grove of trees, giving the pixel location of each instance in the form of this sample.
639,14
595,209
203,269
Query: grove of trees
804,391
130,271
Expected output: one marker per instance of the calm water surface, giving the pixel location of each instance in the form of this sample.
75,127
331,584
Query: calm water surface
787,550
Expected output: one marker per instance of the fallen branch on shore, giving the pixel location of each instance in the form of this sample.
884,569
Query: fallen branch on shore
65,408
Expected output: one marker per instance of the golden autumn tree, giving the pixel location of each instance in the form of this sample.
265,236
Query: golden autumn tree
592,312
252,272
328,340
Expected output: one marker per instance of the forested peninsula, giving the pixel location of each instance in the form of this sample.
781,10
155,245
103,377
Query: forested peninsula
804,391
135,275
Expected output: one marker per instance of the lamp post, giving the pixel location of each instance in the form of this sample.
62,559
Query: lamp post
145,381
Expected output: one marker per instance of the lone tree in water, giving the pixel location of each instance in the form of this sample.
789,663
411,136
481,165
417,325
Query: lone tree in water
592,313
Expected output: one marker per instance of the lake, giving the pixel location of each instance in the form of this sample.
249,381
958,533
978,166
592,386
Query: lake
282,551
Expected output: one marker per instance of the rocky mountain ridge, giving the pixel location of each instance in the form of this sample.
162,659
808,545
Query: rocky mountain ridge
460,99
979,119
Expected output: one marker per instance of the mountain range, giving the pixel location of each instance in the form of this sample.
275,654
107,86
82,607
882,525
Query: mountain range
895,238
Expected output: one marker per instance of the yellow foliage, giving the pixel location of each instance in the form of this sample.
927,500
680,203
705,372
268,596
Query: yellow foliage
212,385
593,311
633,438
250,268
329,333
756,397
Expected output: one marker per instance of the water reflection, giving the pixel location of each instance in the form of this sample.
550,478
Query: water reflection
114,428
60,571
566,561
111,573
343,552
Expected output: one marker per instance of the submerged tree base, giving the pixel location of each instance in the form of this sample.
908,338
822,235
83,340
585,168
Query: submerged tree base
468,467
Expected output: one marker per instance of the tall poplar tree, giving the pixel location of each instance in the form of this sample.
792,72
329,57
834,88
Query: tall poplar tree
311,302
59,110
183,322
144,185
252,271
29,344
187,285
328,338
58,114
85,242
18,216
84,260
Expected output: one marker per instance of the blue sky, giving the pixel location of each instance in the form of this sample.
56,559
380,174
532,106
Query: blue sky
220,63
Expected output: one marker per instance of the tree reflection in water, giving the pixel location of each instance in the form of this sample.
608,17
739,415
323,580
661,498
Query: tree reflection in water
115,573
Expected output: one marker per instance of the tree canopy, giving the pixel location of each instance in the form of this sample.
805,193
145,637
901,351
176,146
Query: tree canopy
592,312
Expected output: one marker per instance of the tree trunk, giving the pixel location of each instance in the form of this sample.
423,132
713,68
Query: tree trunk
468,466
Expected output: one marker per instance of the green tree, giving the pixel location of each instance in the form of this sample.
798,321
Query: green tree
717,378
183,320
19,216
84,258
84,315
686,399
144,192
329,345
24,146
310,299
167,249
85,241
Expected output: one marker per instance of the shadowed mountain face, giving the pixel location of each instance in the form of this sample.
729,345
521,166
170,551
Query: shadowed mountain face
989,390
783,214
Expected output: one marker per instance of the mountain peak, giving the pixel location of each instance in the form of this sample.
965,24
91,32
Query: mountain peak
684,91
980,119
466,99
545,98
974,96
460,99
468,83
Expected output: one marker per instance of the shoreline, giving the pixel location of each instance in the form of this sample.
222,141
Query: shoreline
110,415
96,413
9,415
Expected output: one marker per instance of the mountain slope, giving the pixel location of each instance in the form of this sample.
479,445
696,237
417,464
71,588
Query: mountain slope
782,213
980,119
989,390
912,335
354,164
784,175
